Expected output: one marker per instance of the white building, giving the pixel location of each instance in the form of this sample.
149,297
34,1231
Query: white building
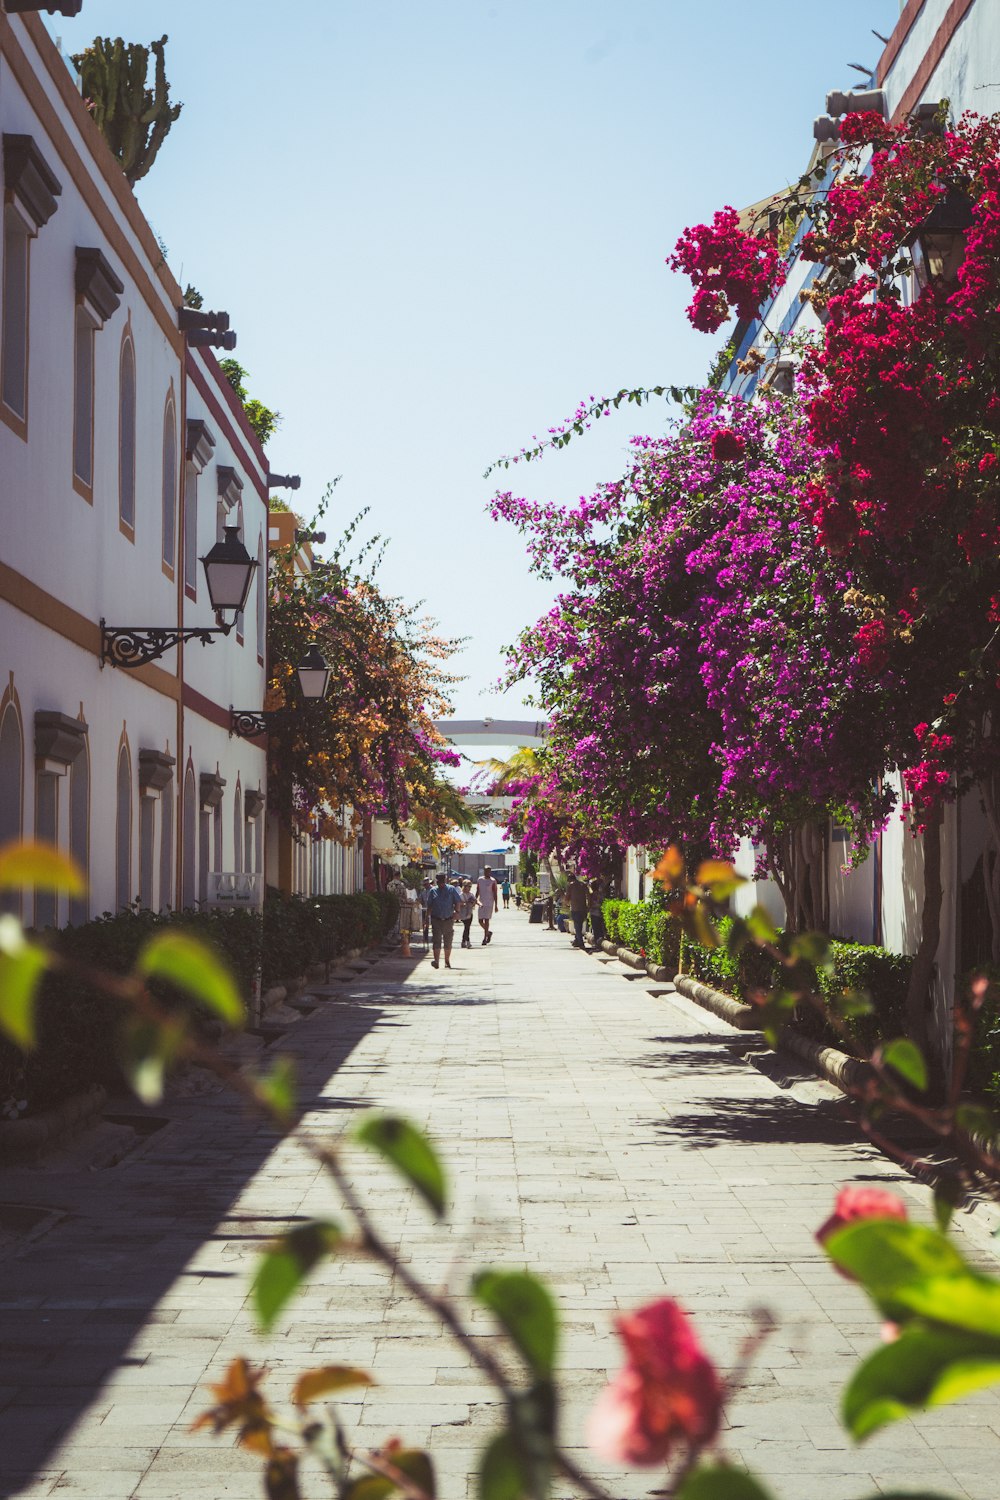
122,452
939,49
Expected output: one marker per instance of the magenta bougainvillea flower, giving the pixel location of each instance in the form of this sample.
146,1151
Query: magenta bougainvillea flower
667,1394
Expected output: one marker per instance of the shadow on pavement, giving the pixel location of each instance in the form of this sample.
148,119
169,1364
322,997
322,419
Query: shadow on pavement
780,1120
73,1300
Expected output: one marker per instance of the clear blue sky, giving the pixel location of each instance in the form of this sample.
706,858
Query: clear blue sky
437,226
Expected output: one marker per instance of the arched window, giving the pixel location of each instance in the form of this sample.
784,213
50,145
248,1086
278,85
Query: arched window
169,484
11,790
238,828
79,827
261,587
167,846
126,437
189,873
123,832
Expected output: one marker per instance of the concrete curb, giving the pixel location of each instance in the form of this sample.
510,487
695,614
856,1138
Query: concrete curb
636,961
25,1137
743,1017
837,1067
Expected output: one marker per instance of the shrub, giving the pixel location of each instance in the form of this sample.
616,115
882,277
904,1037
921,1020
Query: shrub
612,910
664,935
882,975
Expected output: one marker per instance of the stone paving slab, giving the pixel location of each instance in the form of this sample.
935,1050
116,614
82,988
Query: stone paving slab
618,1141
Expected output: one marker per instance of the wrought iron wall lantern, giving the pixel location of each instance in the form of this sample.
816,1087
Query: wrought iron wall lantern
229,572
314,680
937,244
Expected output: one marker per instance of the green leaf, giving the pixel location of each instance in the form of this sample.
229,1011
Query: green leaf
276,1089
412,1462
312,1384
410,1152
721,1482
886,1254
976,1119
738,936
23,865
948,1194
500,1473
967,1301
524,1307
923,1367
813,948
719,878
286,1265
906,1059
148,1048
22,965
191,966
760,926
851,1003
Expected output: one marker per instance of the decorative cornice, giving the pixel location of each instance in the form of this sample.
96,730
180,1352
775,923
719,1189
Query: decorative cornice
210,788
253,803
97,283
200,443
54,7
58,737
28,179
156,770
230,485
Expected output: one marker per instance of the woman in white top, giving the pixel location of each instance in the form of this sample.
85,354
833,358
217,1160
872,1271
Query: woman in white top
486,889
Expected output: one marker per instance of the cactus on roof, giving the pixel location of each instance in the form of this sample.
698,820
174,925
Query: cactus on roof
133,118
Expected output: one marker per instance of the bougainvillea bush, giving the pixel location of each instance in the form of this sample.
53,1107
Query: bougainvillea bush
700,668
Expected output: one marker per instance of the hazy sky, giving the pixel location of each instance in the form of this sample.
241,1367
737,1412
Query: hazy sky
437,226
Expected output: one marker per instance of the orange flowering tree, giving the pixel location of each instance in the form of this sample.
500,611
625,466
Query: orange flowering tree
370,746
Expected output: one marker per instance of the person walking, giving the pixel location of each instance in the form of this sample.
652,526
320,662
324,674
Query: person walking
505,892
397,888
578,897
425,896
466,912
596,909
442,904
486,891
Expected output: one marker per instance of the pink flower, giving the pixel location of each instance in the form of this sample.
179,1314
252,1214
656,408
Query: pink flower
855,1203
667,1393
727,444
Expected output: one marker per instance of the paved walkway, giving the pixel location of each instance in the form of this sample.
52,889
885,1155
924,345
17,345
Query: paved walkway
614,1139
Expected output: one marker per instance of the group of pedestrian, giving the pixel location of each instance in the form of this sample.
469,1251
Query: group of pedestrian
443,904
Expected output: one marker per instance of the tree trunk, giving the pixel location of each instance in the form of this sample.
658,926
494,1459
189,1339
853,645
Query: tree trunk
930,933
991,859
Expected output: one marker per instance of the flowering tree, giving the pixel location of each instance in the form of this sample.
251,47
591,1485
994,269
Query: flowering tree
370,745
700,672
904,417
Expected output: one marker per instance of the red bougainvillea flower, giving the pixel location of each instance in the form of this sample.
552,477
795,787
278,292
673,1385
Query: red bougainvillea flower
726,445
667,1393
854,1203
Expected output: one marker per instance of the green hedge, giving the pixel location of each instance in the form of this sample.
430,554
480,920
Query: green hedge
78,1024
882,975
644,927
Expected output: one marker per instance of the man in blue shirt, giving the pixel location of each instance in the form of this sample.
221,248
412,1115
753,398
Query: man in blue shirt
442,904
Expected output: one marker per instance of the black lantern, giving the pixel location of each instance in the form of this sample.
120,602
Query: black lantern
229,571
937,244
314,674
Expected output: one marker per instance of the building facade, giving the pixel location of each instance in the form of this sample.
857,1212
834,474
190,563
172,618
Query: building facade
123,452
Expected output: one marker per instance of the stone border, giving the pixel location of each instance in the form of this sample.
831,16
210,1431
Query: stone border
840,1068
25,1137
